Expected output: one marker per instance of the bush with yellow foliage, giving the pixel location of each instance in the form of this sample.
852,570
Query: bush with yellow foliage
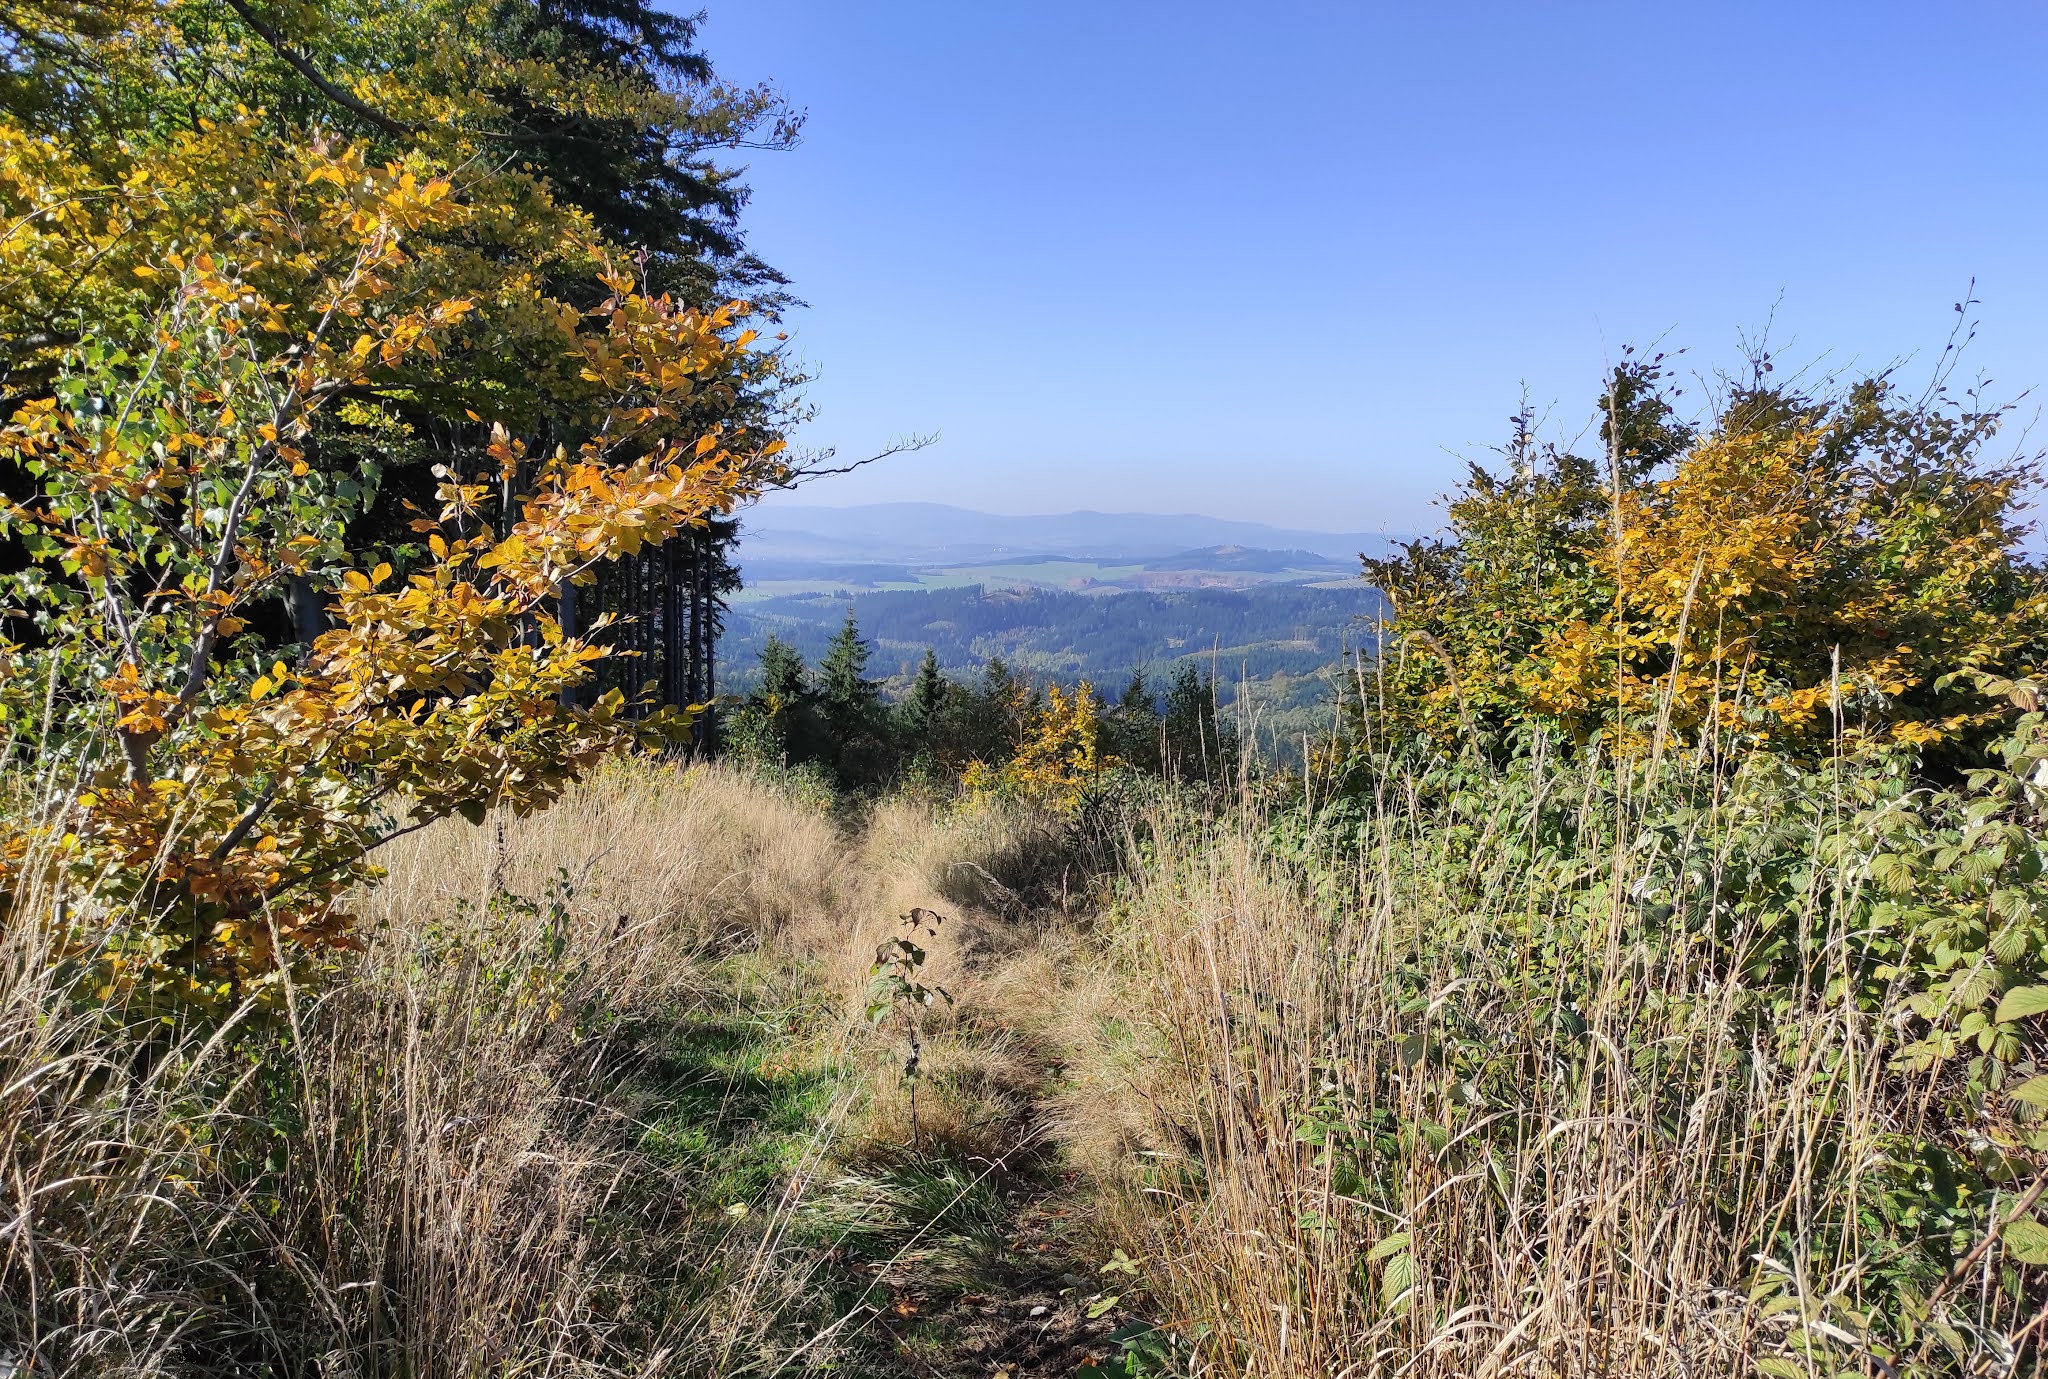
1803,569
1060,763
221,328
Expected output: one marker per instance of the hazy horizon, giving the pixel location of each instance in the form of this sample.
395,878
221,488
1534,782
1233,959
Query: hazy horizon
790,503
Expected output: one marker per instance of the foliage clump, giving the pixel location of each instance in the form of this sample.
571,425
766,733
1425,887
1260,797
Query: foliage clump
240,659
1804,569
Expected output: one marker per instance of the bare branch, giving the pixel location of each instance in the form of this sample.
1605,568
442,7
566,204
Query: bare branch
306,69
244,825
814,466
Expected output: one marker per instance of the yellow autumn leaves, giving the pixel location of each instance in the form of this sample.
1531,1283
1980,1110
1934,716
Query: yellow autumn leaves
1060,759
172,504
1802,573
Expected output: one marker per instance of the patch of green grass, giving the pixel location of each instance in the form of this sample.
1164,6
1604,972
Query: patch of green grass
740,1104
950,1216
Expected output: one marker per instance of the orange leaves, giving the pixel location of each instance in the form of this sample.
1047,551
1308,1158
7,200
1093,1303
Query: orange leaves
509,453
141,710
653,355
1708,561
588,512
175,497
236,274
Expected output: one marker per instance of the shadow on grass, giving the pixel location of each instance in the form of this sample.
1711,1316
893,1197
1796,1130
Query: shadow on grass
915,1264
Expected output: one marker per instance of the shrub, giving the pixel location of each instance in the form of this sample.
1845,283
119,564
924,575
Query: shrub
1558,1066
198,814
1807,568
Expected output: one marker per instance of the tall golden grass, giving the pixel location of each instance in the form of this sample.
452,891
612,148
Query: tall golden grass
1621,1171
431,1165
420,1168
1377,1102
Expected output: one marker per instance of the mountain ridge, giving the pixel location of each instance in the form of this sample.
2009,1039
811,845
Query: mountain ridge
913,531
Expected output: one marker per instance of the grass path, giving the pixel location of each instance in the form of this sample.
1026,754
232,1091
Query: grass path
936,1263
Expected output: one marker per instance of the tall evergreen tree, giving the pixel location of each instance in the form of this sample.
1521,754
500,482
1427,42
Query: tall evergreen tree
783,673
1195,744
924,707
992,718
860,738
846,694
1134,724
645,164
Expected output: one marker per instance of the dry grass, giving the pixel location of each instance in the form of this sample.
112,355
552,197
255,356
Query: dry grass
1360,1122
692,857
434,1165
424,1168
1380,1108
981,867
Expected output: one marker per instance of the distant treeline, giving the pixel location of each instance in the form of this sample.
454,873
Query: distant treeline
832,718
1247,633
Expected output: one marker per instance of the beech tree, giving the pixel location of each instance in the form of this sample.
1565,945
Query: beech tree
228,322
1802,570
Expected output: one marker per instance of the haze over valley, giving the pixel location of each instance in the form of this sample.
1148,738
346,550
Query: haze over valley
1074,595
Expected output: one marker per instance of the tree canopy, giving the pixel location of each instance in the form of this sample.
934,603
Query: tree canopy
262,259
1809,567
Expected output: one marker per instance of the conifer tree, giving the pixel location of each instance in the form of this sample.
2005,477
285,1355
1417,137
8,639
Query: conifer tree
1195,744
994,713
925,706
783,673
1135,720
848,697
642,164
856,740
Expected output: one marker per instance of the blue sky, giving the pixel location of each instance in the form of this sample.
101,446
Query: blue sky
1295,261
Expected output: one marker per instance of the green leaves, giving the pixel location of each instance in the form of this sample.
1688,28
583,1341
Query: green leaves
1803,588
2022,1002
239,802
1398,1272
2026,1240
895,986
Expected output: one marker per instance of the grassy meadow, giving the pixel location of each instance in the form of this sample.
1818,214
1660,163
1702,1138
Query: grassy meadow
1500,1071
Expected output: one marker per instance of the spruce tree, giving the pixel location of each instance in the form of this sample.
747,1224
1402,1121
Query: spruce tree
844,690
1196,745
645,165
857,737
782,673
994,713
1135,720
925,705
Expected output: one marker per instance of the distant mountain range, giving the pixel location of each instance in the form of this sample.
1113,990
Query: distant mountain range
1092,595
933,533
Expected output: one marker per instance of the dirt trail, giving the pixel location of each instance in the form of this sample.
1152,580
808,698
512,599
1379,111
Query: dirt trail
1006,1291
1024,1313
999,1283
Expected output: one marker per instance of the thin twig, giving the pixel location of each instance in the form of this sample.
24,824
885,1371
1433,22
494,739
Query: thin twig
306,69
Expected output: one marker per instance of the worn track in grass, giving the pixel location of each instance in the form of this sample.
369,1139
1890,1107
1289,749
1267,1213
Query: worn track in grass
926,1264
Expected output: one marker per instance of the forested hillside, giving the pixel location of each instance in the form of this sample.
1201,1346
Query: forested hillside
1255,634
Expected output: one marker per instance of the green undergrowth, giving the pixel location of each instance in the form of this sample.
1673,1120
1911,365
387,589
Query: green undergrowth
739,1093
